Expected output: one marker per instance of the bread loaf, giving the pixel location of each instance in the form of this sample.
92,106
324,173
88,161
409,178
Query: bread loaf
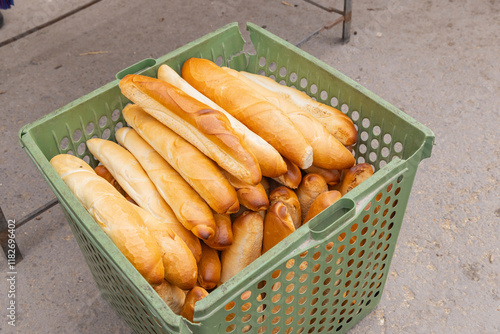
353,177
114,214
246,247
172,295
223,237
328,151
312,186
270,161
288,198
209,268
191,210
104,173
207,129
249,107
335,121
331,176
321,202
250,196
194,295
201,173
292,177
278,225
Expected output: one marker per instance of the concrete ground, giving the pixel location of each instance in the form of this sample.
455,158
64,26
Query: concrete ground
435,60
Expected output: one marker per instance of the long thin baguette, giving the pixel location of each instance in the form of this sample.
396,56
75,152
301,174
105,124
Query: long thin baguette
207,129
292,177
191,210
249,107
250,196
196,168
135,181
270,161
335,121
328,151
114,214
223,237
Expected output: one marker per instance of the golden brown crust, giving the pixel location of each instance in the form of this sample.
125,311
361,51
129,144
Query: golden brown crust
270,161
172,295
292,177
197,169
195,294
250,196
209,268
321,202
246,247
223,237
114,214
249,107
278,225
290,200
353,177
104,173
311,186
331,176
207,129
335,121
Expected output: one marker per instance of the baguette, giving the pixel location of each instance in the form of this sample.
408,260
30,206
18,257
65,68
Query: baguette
353,177
290,200
114,214
328,151
134,180
172,295
195,294
209,268
250,196
278,225
270,161
335,121
207,129
104,173
223,237
312,186
321,202
201,173
246,247
331,176
249,107
191,210
178,261
292,177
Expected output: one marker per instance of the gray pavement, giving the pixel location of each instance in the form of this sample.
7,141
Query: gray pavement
435,60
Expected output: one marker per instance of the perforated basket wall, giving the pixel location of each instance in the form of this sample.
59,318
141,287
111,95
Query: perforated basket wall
328,274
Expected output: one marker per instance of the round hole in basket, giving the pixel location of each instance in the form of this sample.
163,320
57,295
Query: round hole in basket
303,82
293,77
313,89
219,61
106,134
272,67
81,149
246,329
283,71
345,108
323,95
89,128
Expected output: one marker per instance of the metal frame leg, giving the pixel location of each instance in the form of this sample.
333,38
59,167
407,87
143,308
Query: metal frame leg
346,26
4,239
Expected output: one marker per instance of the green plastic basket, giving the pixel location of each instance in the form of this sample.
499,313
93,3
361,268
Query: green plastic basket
327,275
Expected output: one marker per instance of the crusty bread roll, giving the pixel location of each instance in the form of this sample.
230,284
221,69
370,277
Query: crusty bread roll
114,214
247,244
191,210
331,176
321,202
270,161
195,294
311,186
249,107
278,225
172,295
335,121
129,173
196,168
178,261
328,151
223,237
250,196
292,177
353,177
104,173
209,268
290,200
207,129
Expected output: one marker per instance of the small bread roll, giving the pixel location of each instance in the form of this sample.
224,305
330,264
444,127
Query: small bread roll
311,186
291,201
278,225
172,295
195,294
321,202
209,268
292,177
223,237
353,177
331,176
247,244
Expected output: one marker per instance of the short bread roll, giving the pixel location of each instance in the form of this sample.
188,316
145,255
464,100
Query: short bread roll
353,177
278,225
291,201
172,295
321,202
311,186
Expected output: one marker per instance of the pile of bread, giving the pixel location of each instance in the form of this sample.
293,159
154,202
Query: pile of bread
216,168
